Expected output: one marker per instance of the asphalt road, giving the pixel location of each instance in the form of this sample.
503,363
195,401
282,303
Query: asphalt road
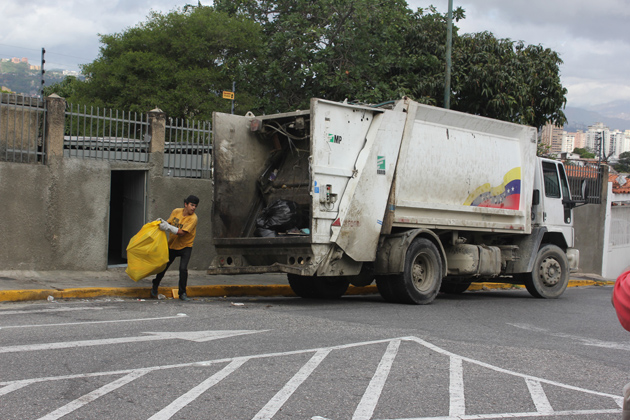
480,355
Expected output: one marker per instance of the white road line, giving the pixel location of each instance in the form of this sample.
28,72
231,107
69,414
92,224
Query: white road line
190,364
437,349
181,402
278,400
34,311
95,322
198,336
457,405
97,393
539,397
584,340
13,387
366,407
516,415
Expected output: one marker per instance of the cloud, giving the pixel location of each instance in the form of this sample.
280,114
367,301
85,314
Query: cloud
69,29
591,37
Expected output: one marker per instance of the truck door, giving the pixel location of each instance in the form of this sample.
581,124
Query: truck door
557,211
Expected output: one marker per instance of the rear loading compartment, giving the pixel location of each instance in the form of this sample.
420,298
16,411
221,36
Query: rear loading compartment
262,201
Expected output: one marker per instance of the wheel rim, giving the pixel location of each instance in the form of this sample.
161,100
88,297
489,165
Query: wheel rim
421,272
550,272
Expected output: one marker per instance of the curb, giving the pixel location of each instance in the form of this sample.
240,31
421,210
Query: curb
220,291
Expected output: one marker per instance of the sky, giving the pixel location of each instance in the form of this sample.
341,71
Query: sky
591,36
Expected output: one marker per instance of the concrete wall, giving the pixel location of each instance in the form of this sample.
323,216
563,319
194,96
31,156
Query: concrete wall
590,231
617,250
56,216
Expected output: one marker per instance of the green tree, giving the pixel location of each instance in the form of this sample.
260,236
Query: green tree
623,165
507,80
375,51
179,62
584,153
332,49
66,88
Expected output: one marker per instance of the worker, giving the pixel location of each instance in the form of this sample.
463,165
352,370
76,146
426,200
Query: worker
182,226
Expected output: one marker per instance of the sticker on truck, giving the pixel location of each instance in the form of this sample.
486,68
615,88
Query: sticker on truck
507,195
380,165
334,138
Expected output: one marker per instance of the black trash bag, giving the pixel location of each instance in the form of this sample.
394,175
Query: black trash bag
279,216
265,233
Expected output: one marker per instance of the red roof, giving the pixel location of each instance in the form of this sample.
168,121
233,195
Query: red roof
617,187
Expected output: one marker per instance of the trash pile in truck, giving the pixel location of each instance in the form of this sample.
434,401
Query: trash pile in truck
280,218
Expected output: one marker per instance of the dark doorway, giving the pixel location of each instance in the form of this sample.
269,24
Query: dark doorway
127,209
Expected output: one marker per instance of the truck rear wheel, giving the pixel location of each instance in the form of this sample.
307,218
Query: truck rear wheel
313,287
420,282
550,276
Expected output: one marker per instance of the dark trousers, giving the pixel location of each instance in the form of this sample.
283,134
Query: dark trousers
184,254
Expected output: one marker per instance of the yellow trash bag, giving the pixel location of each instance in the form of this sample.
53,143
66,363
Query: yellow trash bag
147,252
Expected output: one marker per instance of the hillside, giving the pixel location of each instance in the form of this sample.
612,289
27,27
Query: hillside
580,119
20,79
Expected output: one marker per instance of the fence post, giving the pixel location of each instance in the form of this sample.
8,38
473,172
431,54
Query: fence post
55,122
157,130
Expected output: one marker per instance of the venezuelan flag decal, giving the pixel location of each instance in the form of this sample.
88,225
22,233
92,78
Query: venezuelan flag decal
504,196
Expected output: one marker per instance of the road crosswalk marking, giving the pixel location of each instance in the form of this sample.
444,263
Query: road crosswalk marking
369,400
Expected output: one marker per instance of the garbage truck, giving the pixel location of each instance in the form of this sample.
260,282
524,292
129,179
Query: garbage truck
418,199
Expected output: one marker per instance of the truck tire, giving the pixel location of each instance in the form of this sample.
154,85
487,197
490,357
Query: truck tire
454,288
420,283
550,276
313,287
384,286
365,277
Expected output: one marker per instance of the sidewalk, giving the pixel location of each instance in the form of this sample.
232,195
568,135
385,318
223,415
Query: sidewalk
36,285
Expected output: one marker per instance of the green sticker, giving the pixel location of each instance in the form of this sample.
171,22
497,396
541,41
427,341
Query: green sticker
380,165
334,138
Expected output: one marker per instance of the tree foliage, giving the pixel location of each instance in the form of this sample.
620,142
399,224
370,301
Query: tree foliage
503,79
333,49
179,62
623,165
281,53
584,153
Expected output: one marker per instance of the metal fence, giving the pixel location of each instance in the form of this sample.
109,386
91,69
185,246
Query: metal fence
188,149
22,129
106,134
585,180
112,135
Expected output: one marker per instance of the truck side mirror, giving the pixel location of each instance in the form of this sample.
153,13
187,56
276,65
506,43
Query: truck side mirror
536,198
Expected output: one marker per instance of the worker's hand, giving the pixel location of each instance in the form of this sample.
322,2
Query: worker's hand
172,229
164,226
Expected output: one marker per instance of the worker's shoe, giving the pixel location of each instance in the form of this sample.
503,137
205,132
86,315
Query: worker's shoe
184,297
154,293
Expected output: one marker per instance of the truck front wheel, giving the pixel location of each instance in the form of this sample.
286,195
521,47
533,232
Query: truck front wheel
420,282
550,276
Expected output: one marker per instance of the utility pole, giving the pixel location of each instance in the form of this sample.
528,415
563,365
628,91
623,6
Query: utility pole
233,90
449,43
41,87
